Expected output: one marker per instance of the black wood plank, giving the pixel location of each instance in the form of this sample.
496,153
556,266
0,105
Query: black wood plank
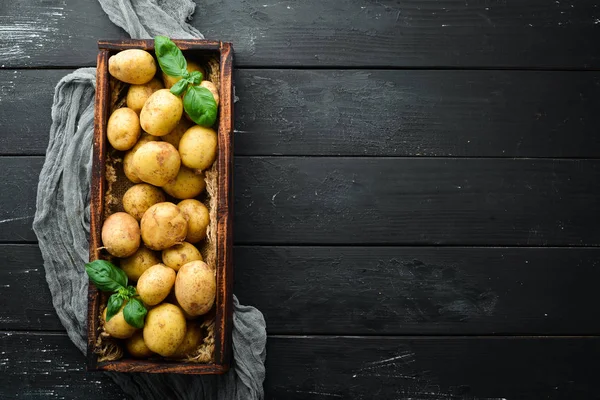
374,113
450,33
305,200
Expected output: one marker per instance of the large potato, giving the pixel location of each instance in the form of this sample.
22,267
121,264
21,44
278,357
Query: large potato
117,326
192,339
180,254
165,329
136,346
128,159
186,184
132,66
138,94
198,219
161,112
213,89
135,265
121,234
155,284
162,226
198,147
169,81
156,163
195,287
123,129
139,198
175,135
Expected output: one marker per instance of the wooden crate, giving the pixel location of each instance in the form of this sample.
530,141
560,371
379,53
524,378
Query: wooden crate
224,265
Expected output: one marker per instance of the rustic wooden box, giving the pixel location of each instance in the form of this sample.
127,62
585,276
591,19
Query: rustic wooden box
224,164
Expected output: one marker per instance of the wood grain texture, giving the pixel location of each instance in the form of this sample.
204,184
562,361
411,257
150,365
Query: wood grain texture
449,33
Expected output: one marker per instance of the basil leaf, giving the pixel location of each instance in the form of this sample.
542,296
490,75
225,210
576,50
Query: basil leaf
178,88
200,106
115,301
134,313
170,58
106,276
195,77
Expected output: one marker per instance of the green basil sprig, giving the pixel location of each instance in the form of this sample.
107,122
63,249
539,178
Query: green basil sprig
109,278
198,101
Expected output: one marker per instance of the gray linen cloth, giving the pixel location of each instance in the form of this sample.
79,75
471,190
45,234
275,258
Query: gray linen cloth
62,221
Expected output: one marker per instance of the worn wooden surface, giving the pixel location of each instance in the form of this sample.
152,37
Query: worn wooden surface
416,197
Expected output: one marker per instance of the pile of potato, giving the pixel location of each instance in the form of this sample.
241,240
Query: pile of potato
165,156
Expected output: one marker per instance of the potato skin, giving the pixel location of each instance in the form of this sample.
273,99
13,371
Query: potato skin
198,147
117,326
162,226
155,284
175,135
156,163
192,339
132,66
165,329
138,94
128,159
180,254
195,287
136,346
135,265
139,198
121,234
198,219
186,185
123,129
169,81
213,89
161,112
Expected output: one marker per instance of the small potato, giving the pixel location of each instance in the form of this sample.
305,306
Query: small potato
138,94
180,254
117,327
132,66
198,219
156,163
169,81
155,284
161,112
121,234
195,287
186,185
128,159
163,226
165,329
135,265
136,346
198,147
213,89
175,135
139,198
192,339
123,129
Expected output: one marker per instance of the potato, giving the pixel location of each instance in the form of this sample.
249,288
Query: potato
155,284
198,147
135,265
132,66
169,81
117,327
165,329
123,128
138,198
192,339
175,135
161,112
138,94
128,159
213,89
198,219
163,226
195,287
174,257
121,234
186,184
136,346
156,163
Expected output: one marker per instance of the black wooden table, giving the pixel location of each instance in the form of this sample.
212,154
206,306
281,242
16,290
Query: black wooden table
416,194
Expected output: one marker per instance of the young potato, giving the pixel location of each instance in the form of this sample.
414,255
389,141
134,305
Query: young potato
175,135
117,327
121,234
123,129
136,346
135,265
163,225
156,163
186,185
138,94
192,339
198,219
165,329
128,159
155,284
180,254
161,112
213,89
198,147
139,198
132,66
169,81
195,287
